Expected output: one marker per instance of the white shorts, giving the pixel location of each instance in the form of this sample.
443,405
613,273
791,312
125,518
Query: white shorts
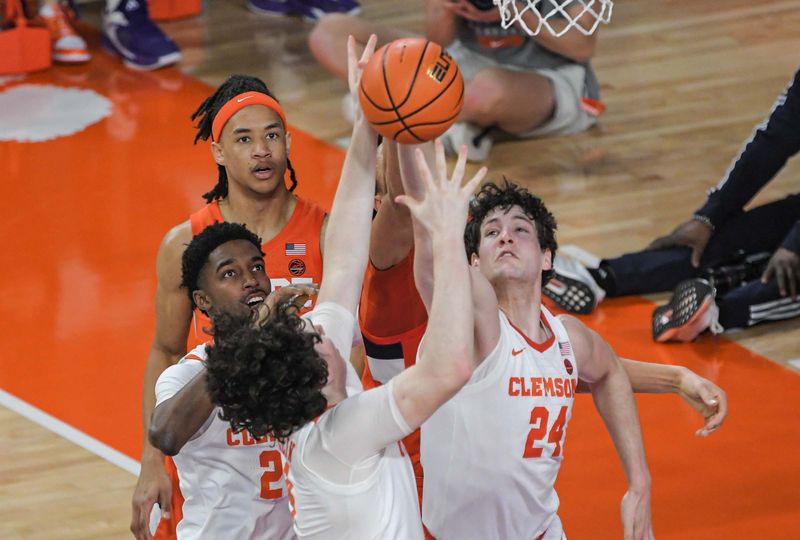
568,82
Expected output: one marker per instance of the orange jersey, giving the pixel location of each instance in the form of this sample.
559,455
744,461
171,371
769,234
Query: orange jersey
393,319
292,257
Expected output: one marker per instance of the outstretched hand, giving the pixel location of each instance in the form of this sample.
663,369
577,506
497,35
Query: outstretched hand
693,234
706,398
445,202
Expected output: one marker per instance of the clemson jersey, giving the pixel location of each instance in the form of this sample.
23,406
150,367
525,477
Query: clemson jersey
492,453
392,318
293,256
348,474
232,484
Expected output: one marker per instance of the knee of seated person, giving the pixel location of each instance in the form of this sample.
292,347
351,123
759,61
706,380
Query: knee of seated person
482,97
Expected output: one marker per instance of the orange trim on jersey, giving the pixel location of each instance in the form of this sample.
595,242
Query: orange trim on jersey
240,101
543,346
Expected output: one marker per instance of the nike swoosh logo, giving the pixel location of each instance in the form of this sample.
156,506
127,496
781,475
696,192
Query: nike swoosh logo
242,99
515,352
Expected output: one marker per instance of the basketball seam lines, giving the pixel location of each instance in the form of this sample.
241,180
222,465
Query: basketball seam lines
410,87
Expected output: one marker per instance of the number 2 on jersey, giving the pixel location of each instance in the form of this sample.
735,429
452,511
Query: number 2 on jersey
539,417
271,460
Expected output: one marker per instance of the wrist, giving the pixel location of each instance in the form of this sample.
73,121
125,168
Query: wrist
705,220
681,376
151,454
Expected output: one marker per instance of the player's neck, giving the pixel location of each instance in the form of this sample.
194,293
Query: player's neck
522,304
265,216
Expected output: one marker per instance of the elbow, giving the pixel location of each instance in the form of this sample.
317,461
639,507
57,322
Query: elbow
163,439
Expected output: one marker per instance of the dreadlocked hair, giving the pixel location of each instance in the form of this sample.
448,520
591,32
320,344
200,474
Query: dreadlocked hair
267,379
492,196
197,251
207,111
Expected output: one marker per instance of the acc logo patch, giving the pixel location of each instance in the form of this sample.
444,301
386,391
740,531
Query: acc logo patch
568,365
297,267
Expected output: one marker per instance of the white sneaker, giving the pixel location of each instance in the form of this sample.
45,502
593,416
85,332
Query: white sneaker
477,139
572,287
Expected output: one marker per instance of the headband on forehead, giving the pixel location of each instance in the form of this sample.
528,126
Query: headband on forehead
239,102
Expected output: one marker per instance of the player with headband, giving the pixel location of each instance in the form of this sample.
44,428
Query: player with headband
250,145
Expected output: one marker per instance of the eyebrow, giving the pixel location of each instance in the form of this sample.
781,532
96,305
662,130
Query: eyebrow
226,262
524,218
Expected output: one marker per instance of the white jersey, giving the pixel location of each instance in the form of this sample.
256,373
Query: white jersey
232,483
492,453
348,476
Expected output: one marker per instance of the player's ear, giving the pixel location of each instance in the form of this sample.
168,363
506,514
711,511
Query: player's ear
217,153
201,300
288,142
547,260
474,260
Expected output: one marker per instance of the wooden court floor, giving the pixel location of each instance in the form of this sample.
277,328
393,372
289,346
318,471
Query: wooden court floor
684,83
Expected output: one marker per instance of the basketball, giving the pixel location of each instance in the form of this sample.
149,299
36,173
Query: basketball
411,90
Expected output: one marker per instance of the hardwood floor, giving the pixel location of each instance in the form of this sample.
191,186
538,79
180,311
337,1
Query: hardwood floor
684,83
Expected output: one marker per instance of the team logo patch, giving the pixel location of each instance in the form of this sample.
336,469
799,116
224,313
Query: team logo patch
297,267
568,365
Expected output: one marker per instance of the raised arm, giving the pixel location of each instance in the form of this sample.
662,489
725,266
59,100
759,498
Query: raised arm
413,186
600,368
446,356
391,237
346,237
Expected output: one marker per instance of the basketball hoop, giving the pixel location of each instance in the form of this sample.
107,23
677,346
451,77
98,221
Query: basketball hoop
533,15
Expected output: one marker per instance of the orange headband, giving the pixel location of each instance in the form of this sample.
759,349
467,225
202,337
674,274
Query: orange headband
241,101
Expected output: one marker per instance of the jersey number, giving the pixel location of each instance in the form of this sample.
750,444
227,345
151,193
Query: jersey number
271,460
539,417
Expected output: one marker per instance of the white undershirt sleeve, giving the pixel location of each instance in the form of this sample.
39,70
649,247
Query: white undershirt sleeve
345,443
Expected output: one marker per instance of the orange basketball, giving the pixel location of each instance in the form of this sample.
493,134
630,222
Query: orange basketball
411,90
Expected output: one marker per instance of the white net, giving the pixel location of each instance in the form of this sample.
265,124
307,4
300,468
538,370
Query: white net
556,16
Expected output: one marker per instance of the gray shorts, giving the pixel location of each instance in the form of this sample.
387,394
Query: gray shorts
568,82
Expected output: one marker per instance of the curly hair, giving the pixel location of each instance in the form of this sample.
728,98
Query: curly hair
207,111
492,196
266,379
197,251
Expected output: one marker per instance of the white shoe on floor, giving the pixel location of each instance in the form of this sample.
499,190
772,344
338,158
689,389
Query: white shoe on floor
477,139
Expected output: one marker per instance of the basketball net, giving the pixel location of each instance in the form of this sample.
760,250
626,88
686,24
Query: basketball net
529,15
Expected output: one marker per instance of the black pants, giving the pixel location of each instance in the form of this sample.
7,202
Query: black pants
758,230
